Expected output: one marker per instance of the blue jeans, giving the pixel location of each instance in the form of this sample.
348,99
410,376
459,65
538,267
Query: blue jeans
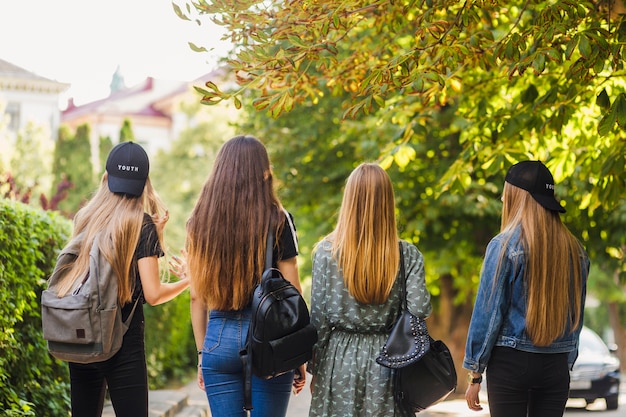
222,370
521,384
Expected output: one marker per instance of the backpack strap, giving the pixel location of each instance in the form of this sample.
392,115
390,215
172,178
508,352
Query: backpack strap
132,312
246,354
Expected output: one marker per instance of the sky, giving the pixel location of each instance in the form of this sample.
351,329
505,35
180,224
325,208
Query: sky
83,42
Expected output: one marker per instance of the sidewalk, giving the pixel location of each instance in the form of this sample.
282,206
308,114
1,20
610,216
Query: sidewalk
299,406
190,401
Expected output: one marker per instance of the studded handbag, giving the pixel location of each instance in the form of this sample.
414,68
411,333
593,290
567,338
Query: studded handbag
423,369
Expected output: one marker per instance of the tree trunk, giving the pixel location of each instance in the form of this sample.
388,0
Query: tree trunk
619,333
450,322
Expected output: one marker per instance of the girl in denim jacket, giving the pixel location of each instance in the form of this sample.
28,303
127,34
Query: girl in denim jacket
529,306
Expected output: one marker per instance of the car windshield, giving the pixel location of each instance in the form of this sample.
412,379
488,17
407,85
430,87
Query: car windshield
591,343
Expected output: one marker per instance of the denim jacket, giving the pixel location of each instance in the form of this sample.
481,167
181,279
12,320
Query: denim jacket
499,317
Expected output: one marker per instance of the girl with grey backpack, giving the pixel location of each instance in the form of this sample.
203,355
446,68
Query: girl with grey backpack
124,223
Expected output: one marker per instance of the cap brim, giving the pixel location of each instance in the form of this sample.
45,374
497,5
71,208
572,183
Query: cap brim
128,186
549,202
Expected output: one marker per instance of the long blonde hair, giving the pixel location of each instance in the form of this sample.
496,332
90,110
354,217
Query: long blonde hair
227,230
553,271
118,219
365,240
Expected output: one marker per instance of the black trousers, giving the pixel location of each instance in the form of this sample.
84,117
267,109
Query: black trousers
524,384
125,374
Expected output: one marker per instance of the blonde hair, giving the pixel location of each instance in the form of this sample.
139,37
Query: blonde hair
553,271
118,219
365,240
227,230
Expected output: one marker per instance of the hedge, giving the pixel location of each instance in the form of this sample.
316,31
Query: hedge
32,383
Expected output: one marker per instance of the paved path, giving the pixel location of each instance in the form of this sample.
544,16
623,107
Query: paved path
299,404
190,401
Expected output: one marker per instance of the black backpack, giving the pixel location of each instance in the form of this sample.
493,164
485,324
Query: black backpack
280,336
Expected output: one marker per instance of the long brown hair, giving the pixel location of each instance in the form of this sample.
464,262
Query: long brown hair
553,271
365,240
227,230
118,219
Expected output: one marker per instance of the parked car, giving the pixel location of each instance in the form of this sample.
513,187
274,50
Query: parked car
596,372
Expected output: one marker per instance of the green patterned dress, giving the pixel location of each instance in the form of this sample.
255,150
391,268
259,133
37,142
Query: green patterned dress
349,382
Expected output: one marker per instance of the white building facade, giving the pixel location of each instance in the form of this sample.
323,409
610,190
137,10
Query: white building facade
26,98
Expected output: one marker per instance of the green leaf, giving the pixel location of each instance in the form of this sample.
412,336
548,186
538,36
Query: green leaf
212,86
621,32
571,45
607,122
539,63
603,99
620,110
554,55
584,47
179,12
196,48
404,155
530,94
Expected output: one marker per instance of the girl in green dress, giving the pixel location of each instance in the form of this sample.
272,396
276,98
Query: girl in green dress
355,299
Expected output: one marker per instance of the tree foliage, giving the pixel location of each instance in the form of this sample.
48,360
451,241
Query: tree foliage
72,163
526,79
446,95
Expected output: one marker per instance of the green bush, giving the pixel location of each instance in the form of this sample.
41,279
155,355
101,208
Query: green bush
170,347
32,383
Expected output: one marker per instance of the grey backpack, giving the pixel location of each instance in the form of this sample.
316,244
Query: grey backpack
86,324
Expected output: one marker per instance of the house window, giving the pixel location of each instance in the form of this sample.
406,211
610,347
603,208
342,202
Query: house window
13,111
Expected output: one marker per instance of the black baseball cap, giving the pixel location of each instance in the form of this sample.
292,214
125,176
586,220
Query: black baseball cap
535,177
127,166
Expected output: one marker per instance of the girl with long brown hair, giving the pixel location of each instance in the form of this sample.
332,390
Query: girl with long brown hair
529,307
355,298
226,244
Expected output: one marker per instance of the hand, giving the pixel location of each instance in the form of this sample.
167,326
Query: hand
200,379
471,396
178,266
160,221
299,379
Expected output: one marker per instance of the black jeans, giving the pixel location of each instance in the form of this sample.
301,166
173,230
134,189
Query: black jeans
521,384
125,374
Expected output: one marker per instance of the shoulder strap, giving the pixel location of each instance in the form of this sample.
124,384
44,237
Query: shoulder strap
269,248
402,277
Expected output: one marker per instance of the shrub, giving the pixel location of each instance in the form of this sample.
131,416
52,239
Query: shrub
170,347
32,383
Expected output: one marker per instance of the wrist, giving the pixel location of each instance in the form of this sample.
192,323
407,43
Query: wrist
474,378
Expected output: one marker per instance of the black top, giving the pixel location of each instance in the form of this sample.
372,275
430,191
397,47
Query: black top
287,242
147,246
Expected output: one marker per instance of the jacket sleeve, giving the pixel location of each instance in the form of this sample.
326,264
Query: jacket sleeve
489,309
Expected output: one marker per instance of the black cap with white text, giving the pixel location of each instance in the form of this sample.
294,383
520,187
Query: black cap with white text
127,168
535,177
